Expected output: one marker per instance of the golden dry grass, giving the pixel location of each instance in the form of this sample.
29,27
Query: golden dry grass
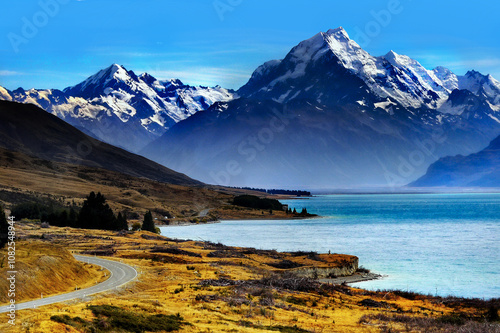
169,283
45,268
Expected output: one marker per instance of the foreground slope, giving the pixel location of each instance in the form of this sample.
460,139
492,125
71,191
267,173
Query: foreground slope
32,131
481,169
218,288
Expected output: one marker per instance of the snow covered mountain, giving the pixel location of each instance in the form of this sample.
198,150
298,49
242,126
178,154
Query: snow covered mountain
329,114
121,108
392,77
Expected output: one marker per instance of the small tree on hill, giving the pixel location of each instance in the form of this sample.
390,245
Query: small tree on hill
148,223
4,228
121,222
72,218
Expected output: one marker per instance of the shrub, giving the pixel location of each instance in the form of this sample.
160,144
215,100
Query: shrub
363,270
112,319
174,250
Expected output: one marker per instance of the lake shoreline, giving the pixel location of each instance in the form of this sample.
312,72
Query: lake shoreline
355,278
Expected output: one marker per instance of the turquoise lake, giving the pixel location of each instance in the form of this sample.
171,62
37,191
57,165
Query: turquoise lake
444,244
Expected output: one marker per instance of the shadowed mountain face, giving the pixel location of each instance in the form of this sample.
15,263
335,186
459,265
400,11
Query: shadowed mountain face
481,169
32,131
265,143
331,115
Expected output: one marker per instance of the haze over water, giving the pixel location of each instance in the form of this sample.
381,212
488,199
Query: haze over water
444,244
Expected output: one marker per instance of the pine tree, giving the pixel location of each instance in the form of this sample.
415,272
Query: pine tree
72,217
96,214
121,222
4,228
62,219
148,223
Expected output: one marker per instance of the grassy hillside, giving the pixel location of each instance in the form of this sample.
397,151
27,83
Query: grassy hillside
28,129
26,178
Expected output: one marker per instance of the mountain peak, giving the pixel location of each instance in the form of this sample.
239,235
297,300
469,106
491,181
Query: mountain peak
118,72
101,78
339,32
116,67
148,78
473,73
172,84
391,54
441,69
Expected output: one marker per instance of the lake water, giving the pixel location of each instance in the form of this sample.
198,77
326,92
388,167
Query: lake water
444,244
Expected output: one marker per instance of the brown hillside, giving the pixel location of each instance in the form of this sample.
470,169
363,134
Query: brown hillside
28,129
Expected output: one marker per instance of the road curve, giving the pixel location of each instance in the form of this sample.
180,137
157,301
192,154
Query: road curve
120,274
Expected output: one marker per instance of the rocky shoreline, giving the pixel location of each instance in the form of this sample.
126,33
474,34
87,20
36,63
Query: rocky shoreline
357,277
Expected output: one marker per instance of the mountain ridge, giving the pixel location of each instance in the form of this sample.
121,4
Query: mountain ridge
397,77
352,120
363,115
117,106
480,169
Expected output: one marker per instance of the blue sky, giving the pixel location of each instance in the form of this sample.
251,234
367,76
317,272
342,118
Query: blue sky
221,42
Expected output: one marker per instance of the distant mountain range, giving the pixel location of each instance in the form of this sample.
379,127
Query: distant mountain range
119,107
331,115
32,131
481,169
328,114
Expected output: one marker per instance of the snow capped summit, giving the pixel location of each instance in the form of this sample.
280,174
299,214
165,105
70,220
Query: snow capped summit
348,51
322,60
481,84
339,32
119,107
108,77
447,78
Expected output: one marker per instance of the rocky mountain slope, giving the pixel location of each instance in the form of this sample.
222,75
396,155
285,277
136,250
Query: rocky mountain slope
481,169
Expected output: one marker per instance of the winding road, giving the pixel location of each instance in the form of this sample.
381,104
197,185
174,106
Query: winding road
120,274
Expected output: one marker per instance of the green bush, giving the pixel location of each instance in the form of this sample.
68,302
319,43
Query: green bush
112,319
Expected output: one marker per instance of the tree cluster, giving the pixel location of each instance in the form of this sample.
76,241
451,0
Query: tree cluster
303,212
94,214
297,193
252,201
